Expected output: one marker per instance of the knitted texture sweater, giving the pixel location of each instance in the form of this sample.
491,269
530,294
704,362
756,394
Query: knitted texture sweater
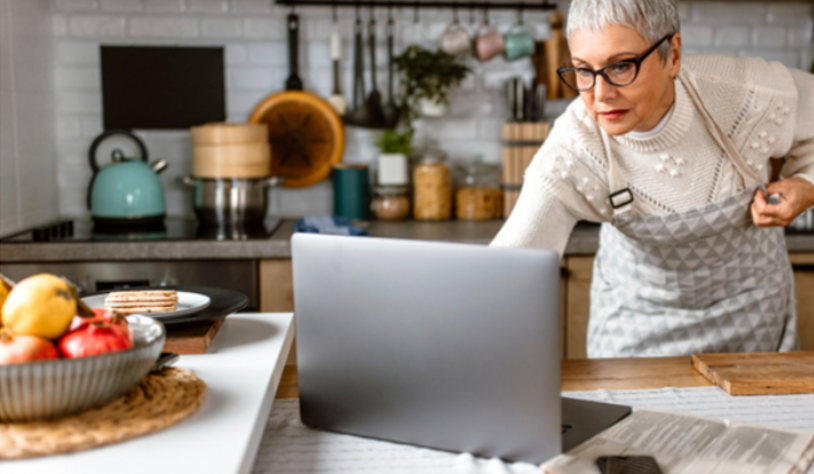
766,109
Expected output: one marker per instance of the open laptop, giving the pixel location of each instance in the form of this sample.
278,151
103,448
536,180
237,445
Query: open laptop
449,346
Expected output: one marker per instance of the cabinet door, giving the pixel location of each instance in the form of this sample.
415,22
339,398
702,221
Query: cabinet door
277,293
804,286
578,304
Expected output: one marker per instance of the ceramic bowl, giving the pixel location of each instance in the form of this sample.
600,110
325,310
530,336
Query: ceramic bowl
61,387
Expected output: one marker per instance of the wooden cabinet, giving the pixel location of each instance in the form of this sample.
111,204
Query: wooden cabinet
277,295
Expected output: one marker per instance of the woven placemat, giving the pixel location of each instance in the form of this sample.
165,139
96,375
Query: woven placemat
160,400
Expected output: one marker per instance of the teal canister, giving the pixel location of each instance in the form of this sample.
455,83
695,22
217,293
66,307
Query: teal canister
351,190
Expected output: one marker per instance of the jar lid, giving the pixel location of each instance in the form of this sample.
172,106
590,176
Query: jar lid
390,190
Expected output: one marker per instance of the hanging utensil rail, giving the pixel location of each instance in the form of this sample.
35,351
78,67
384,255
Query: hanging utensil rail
544,5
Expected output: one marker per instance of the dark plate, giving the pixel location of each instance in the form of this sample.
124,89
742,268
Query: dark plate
223,303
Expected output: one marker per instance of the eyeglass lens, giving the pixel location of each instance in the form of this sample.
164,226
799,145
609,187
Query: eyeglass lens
620,73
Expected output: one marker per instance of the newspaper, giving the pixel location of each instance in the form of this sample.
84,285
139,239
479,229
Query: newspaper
686,444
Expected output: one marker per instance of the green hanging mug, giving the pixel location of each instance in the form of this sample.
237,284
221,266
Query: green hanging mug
519,42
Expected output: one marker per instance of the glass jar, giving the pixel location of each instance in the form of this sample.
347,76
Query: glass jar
478,194
390,203
432,188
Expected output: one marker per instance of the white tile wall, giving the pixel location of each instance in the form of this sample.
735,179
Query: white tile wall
28,158
254,35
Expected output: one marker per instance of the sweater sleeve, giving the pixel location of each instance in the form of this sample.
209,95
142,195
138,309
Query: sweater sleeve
800,157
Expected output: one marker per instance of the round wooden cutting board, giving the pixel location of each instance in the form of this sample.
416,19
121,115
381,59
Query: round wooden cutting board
305,134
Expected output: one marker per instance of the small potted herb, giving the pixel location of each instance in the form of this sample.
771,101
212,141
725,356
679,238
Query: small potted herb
427,77
395,148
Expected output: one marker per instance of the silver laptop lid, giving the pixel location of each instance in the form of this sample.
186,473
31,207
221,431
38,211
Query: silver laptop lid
450,346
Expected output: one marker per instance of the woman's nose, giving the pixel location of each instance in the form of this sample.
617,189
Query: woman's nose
603,90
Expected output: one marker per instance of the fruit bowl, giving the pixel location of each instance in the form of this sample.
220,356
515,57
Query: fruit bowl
55,388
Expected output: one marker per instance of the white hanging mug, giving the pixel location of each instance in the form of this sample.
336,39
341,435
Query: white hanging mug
455,40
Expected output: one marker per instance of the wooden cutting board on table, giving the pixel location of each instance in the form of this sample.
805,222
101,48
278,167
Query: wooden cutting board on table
192,338
759,373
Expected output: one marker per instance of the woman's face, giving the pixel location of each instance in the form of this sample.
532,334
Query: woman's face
637,106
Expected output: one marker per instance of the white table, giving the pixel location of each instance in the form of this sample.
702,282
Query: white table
242,370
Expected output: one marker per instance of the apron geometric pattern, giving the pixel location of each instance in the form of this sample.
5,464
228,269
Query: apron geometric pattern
701,280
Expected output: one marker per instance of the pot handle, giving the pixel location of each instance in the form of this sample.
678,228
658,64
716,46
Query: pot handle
272,181
189,181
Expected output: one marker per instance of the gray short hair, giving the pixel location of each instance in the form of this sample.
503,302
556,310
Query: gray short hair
653,19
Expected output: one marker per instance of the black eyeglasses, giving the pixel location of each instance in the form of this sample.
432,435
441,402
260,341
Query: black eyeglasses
618,73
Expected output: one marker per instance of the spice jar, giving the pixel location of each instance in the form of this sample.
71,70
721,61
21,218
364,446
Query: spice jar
432,188
478,193
390,203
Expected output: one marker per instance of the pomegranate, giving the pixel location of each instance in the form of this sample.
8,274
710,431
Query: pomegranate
99,314
15,349
96,335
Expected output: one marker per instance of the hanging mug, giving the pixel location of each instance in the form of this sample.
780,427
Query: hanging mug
488,42
519,42
455,40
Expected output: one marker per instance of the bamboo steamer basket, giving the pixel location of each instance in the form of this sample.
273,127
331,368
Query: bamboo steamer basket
230,151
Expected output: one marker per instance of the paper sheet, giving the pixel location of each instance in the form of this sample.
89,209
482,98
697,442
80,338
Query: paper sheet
290,447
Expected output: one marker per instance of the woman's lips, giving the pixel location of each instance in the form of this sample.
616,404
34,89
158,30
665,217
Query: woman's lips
614,114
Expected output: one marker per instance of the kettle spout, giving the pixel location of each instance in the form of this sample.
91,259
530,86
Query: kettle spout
159,166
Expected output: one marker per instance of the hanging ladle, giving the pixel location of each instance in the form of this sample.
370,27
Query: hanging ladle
391,111
359,116
374,100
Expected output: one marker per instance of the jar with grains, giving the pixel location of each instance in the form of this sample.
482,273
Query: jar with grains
432,188
390,203
478,194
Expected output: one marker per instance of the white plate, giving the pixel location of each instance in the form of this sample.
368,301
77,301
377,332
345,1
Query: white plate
188,303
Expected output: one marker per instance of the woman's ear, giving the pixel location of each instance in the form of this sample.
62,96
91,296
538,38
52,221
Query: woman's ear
675,55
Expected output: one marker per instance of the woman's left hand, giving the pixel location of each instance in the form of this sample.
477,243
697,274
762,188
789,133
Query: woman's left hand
796,195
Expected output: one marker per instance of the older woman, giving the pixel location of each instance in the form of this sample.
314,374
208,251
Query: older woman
672,154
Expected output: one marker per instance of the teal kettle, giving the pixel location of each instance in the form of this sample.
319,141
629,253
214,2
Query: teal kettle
126,193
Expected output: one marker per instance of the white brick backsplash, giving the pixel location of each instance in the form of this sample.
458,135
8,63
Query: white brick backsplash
789,58
163,27
91,126
60,25
489,128
269,53
789,13
69,52
769,36
799,37
453,129
265,28
236,54
222,28
242,103
68,127
246,79
727,12
77,78
736,36
208,6
251,6
122,5
318,54
696,35
164,6
76,4
97,26
79,103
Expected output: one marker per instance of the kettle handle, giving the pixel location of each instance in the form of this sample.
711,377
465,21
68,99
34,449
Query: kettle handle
103,136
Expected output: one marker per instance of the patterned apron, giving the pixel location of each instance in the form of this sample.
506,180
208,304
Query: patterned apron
702,280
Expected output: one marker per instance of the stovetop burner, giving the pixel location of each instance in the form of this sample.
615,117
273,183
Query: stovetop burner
174,228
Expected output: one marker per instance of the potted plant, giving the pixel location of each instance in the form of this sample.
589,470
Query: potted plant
395,148
426,78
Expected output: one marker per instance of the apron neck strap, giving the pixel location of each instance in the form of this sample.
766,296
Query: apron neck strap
621,197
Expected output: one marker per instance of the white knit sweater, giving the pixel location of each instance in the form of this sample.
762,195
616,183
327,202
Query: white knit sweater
766,109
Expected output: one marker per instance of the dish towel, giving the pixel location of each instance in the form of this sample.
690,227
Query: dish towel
289,447
328,225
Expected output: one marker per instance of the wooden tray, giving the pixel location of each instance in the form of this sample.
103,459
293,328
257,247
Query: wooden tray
193,338
762,373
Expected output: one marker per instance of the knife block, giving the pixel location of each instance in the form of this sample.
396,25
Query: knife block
521,140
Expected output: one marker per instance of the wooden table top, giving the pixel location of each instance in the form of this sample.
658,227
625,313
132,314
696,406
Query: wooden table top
591,374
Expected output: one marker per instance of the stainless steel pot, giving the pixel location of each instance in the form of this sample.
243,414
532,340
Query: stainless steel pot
230,201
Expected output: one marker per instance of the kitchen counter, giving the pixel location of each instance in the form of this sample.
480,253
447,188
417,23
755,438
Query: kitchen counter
591,374
584,241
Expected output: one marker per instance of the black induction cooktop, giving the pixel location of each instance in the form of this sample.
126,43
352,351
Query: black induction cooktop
173,228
